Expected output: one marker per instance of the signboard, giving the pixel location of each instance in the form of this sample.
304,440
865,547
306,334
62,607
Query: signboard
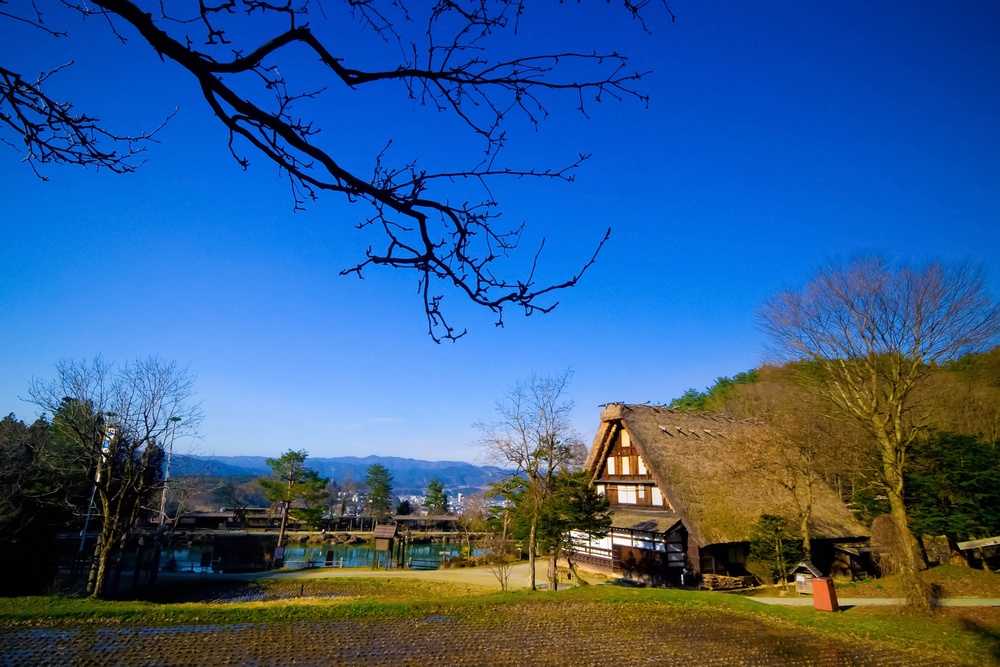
979,544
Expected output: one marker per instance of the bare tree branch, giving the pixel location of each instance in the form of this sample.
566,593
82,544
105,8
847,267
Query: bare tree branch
456,64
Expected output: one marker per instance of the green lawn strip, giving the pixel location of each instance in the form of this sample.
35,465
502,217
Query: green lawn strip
278,589
46,612
330,599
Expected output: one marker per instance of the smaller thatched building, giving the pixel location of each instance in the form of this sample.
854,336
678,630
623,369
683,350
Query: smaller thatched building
685,500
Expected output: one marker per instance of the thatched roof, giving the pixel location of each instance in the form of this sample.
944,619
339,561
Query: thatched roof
652,522
700,464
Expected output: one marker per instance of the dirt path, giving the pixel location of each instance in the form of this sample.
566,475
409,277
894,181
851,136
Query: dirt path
481,577
470,576
807,601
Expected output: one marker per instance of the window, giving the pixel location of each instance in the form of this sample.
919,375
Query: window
611,465
626,494
626,440
657,497
642,466
600,489
625,467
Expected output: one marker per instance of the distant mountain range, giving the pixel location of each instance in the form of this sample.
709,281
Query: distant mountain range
410,476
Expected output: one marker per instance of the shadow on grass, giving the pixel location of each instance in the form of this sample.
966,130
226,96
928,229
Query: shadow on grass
989,636
627,583
200,591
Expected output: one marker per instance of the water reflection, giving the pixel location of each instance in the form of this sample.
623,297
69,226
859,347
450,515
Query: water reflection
198,557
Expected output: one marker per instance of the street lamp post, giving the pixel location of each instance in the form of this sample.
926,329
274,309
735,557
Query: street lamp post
160,529
166,473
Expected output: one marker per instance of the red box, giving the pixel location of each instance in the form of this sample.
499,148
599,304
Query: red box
824,594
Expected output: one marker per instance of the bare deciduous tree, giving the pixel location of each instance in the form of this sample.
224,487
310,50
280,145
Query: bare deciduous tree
967,396
533,434
803,444
497,556
875,332
116,422
458,57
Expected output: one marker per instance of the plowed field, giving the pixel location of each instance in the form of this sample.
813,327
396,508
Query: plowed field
575,633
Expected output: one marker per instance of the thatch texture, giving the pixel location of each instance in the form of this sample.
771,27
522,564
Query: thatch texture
700,463
648,521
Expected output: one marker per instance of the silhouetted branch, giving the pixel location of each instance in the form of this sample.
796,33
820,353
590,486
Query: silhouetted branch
450,65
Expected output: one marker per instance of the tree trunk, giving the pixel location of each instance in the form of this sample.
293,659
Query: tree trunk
99,575
154,563
531,550
806,540
580,581
804,516
140,550
284,523
955,555
553,574
917,592
102,555
922,550
95,567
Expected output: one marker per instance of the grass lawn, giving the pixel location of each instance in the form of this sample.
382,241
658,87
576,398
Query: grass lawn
418,616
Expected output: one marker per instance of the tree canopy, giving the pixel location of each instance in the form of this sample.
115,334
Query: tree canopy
380,502
774,551
953,487
436,500
297,488
713,398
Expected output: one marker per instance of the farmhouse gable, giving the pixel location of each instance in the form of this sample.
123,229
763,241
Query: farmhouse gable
685,497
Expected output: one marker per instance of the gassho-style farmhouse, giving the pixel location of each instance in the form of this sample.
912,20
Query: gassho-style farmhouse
685,502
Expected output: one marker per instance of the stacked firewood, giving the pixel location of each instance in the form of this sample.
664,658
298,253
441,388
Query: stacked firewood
721,582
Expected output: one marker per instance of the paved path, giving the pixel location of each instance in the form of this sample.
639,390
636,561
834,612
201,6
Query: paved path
472,576
806,601
484,577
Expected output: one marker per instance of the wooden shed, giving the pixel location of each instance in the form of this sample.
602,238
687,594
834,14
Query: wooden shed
804,574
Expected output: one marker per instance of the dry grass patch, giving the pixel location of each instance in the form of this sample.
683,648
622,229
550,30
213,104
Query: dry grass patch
950,581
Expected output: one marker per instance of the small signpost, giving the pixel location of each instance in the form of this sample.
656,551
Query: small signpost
385,537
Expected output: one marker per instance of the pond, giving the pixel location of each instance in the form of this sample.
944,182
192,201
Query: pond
198,557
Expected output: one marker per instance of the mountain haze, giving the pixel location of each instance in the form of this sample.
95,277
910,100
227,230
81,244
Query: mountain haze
410,476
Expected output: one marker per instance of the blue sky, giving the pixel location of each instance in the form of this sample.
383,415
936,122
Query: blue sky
777,138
